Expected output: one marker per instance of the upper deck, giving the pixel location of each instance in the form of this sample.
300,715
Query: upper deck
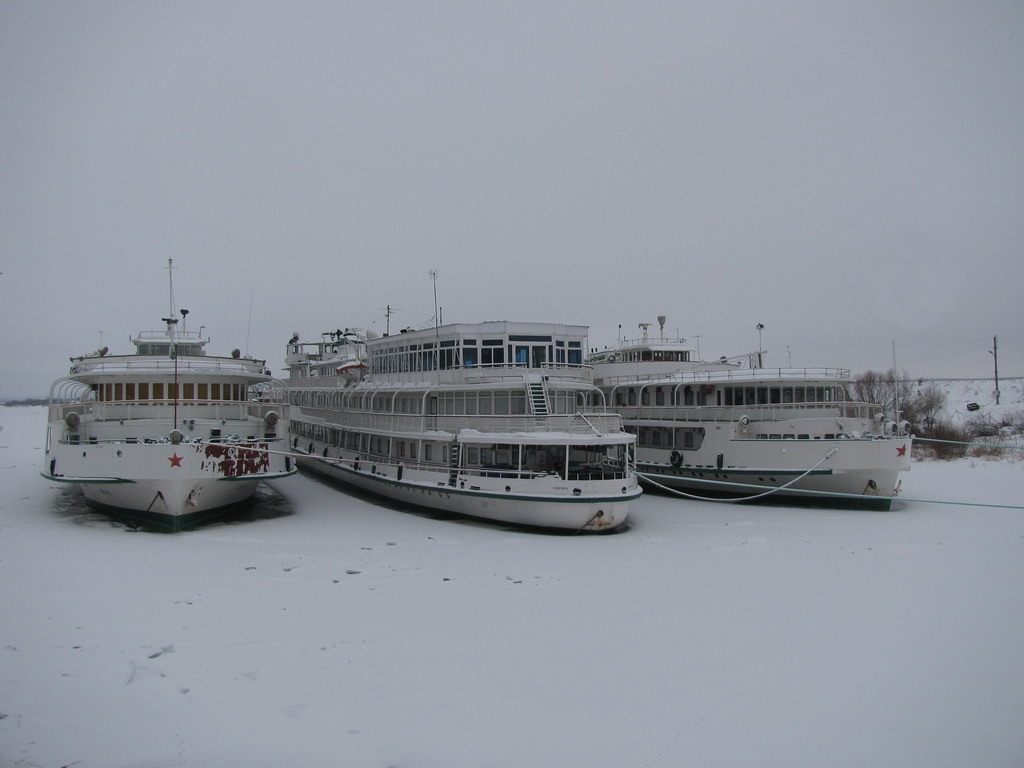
451,354
169,352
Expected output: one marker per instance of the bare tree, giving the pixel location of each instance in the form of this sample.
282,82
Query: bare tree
926,406
891,390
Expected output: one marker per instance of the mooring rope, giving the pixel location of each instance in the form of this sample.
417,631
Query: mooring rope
772,489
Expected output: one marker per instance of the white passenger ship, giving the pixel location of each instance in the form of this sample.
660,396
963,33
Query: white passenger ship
168,437
734,429
490,420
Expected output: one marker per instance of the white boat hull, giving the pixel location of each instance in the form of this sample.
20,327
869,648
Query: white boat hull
857,472
540,502
167,486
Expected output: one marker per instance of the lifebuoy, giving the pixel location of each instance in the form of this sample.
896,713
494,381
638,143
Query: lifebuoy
676,458
707,389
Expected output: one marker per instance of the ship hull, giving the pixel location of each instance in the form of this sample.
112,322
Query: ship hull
851,473
543,503
169,487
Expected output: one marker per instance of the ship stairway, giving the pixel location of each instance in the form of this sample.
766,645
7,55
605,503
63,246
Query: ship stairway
453,464
538,398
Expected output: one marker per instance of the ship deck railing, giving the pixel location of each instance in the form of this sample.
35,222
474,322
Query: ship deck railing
164,365
599,423
731,413
740,375
165,410
480,373
227,440
577,473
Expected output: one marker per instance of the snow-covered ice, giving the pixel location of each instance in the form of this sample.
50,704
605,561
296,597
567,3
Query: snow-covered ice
343,633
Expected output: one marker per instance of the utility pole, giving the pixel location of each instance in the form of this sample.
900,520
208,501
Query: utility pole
995,357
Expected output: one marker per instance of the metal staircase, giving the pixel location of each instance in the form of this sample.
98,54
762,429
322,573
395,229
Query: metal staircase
538,398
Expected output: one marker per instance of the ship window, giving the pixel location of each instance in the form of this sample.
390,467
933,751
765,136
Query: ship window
144,391
518,402
129,391
203,391
798,395
158,391
632,396
118,391
188,391
501,403
215,391
776,395
645,397
492,356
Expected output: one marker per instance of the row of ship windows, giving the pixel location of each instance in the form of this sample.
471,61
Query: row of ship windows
112,392
533,458
730,395
497,403
447,355
682,439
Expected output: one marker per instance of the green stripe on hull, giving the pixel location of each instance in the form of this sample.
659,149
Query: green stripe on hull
86,480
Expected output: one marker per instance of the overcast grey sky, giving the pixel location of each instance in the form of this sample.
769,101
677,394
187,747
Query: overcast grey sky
848,174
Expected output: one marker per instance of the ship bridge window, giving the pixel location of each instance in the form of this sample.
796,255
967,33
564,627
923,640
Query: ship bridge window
492,355
575,353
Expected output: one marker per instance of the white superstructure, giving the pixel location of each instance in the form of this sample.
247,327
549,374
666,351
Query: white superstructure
731,428
493,420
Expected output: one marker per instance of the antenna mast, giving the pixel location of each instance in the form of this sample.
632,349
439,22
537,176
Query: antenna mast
995,356
170,282
433,276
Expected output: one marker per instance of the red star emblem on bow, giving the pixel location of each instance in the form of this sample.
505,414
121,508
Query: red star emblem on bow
176,460
902,450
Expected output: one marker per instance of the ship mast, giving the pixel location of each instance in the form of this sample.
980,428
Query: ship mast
172,321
